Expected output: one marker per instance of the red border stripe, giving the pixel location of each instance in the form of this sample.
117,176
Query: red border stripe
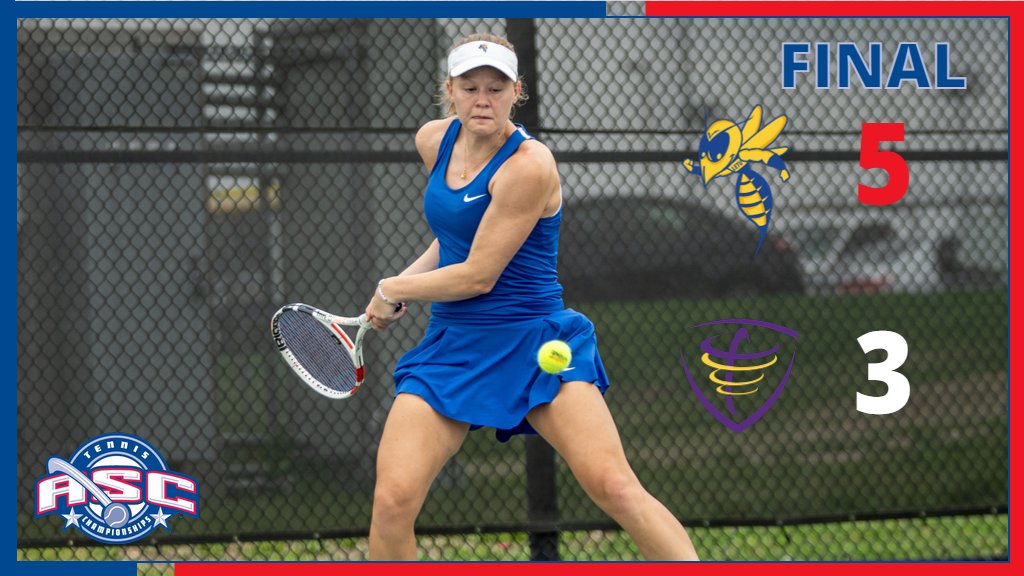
582,569
810,9
1016,262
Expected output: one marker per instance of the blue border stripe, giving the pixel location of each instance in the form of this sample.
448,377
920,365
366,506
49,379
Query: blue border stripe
79,568
303,9
9,315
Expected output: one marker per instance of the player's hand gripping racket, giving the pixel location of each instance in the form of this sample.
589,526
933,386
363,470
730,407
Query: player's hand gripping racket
319,351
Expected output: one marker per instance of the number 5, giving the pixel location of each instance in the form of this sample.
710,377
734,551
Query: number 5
899,387
871,135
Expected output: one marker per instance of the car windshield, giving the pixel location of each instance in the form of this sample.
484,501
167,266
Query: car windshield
873,241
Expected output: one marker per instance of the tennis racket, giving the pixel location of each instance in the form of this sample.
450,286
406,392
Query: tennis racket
319,351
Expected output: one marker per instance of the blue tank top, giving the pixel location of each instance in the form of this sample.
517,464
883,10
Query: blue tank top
528,287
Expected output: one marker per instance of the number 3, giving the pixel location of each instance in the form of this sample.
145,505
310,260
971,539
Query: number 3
899,387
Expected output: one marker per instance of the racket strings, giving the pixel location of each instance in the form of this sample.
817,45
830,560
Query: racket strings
318,351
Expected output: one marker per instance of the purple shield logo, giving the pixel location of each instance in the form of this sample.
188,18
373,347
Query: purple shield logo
733,385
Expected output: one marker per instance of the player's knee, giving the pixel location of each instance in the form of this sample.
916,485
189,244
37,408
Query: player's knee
617,493
394,504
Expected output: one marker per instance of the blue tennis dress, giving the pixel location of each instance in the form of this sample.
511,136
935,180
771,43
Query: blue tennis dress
477,362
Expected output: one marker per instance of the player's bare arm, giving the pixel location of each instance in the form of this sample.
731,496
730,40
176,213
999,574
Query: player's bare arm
428,140
426,261
522,191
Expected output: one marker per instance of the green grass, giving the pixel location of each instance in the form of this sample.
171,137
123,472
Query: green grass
933,538
811,454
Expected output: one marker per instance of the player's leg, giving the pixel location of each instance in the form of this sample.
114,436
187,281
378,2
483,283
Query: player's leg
580,427
416,443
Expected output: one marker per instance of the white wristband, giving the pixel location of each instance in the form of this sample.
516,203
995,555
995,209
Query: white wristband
380,292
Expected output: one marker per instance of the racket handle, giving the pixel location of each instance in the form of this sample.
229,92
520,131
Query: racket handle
362,317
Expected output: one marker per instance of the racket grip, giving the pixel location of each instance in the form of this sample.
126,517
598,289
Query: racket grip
363,320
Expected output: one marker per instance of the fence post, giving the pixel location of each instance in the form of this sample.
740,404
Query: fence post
542,499
542,496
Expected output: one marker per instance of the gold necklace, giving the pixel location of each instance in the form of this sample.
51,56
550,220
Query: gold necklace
465,147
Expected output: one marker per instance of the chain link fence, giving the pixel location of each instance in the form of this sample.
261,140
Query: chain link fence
180,180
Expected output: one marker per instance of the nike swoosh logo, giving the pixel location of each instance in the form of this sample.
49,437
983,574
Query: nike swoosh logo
468,198
569,368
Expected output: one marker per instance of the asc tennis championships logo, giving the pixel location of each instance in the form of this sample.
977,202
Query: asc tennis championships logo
116,489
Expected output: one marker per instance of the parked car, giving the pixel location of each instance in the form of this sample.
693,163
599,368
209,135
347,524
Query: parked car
875,256
633,248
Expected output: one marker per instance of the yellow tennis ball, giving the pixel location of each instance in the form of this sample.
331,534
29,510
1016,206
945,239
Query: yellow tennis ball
554,356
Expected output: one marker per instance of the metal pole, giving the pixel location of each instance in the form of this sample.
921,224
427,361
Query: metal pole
541,493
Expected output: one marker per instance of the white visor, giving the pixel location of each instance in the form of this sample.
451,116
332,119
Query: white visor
477,54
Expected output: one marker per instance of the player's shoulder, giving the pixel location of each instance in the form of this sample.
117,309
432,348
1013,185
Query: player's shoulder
532,156
531,167
429,136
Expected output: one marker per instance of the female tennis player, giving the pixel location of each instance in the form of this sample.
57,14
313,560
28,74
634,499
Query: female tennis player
493,201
